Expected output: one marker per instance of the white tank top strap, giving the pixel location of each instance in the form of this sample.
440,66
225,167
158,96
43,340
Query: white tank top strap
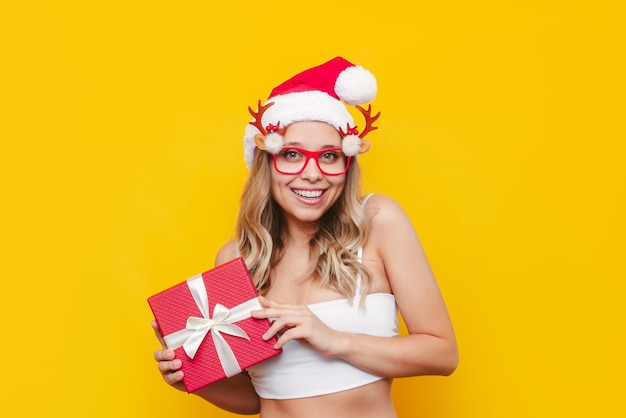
357,290
366,198
359,253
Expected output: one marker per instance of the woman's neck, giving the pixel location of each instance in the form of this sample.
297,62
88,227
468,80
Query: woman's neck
299,235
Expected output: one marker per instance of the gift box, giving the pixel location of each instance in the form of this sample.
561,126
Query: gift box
206,320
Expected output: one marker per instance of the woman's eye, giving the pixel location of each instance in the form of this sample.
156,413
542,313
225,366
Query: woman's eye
290,154
329,156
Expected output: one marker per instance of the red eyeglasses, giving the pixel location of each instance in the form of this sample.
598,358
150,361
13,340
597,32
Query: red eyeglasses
330,161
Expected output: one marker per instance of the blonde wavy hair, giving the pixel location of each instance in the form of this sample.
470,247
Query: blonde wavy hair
341,232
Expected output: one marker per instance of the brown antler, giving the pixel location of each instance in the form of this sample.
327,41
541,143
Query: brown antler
258,116
369,120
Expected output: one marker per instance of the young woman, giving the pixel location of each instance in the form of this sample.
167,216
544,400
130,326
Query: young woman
332,267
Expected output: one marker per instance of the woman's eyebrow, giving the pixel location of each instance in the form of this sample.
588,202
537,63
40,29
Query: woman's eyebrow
299,145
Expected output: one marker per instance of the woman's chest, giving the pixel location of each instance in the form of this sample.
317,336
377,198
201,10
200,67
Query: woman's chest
300,291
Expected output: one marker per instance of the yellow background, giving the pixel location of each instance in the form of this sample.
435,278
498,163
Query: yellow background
502,135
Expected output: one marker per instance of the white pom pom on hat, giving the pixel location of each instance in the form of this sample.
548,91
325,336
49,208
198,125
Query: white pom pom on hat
315,95
355,85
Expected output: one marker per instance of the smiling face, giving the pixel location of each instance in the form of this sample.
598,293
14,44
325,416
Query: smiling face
305,197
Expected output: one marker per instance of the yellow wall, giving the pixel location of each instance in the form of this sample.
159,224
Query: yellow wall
502,135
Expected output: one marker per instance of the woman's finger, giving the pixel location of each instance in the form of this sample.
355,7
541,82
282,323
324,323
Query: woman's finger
271,304
169,366
164,355
174,379
157,332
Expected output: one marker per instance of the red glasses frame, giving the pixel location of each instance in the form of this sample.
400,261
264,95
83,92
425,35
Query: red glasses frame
312,155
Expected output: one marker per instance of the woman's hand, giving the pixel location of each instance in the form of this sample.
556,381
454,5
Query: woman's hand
234,394
169,365
297,322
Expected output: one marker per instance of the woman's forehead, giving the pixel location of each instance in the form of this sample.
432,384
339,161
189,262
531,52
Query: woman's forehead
312,134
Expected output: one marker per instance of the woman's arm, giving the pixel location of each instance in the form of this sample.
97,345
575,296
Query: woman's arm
429,349
235,394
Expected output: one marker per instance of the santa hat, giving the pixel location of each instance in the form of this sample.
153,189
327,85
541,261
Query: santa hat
314,95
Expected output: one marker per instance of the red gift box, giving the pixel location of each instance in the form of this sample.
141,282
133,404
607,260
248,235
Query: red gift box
206,320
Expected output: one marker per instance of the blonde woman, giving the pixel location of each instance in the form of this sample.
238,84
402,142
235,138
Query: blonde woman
333,267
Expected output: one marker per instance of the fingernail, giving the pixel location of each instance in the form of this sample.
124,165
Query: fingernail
177,363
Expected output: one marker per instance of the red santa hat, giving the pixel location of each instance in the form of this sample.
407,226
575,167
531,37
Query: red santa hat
315,94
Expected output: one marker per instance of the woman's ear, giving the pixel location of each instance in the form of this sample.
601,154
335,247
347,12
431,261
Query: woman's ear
365,146
259,140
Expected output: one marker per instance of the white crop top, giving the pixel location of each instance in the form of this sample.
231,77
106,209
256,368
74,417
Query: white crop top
300,371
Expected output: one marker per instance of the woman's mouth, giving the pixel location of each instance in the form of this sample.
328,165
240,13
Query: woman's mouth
308,194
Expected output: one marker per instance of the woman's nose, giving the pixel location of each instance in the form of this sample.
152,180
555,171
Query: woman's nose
311,170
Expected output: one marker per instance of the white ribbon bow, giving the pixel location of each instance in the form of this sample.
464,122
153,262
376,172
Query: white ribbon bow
197,328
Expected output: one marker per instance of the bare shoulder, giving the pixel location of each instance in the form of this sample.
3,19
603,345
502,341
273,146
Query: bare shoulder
226,253
391,233
383,212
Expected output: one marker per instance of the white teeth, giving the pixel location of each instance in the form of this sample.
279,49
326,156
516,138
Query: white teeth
308,193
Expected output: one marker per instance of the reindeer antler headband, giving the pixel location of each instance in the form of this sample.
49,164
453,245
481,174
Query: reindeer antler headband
271,137
315,95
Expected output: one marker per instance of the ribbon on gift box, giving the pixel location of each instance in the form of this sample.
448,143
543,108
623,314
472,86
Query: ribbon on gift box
222,321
